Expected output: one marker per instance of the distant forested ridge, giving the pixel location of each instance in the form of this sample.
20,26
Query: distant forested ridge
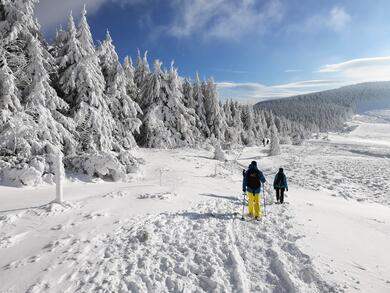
328,110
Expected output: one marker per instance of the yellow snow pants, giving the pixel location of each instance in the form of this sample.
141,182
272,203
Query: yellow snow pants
254,204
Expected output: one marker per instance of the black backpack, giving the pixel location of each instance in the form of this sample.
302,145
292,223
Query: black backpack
280,181
253,178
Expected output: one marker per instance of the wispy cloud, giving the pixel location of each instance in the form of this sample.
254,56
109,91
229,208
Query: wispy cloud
336,19
292,70
227,70
339,18
256,92
361,69
52,13
225,19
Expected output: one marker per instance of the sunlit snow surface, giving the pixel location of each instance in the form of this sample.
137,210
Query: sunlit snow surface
332,235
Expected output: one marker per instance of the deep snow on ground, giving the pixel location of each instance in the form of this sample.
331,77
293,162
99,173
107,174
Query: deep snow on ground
186,236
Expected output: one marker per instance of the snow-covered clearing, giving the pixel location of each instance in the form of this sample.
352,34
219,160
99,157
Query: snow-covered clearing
185,235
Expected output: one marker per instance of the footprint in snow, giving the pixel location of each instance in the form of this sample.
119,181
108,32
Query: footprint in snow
160,195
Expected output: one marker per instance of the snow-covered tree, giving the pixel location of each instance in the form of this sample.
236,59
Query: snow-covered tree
166,122
43,104
123,108
200,107
259,125
17,20
218,152
188,94
10,108
236,127
131,87
141,70
275,147
18,26
9,102
249,136
214,118
83,86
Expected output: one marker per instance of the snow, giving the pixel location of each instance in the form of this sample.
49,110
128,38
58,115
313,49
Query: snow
356,252
368,132
185,235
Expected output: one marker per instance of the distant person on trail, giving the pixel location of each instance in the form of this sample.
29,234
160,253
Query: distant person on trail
280,185
263,141
253,178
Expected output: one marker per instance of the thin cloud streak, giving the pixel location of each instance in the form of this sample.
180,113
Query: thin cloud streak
355,63
256,92
360,70
292,70
230,70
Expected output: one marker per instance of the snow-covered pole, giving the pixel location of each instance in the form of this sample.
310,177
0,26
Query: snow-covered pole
59,175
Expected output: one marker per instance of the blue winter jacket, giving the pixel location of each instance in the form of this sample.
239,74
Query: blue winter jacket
245,180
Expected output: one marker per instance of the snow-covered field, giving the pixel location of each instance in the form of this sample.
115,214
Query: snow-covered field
332,235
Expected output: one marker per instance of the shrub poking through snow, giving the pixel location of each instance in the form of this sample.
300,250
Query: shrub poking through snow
23,172
102,165
285,140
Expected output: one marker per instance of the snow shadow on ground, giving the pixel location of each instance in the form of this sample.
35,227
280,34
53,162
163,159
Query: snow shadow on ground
48,207
208,215
232,198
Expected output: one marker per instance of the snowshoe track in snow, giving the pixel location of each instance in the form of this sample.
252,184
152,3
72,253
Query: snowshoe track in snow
202,250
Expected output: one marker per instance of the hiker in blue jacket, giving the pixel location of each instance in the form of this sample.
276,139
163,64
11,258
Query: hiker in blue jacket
253,178
280,185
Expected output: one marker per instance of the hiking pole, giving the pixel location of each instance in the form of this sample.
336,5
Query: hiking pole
265,203
243,205
243,194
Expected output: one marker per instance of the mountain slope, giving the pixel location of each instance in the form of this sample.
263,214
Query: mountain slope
330,109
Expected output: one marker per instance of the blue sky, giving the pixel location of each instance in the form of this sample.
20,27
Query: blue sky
253,49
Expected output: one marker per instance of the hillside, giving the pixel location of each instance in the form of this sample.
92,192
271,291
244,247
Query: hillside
330,109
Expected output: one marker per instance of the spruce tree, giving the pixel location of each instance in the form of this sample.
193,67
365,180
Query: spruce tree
10,110
43,104
124,110
142,70
83,85
188,94
214,118
132,91
200,107
167,122
274,147
9,102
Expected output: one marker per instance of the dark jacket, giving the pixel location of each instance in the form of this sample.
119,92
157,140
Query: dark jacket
251,169
280,181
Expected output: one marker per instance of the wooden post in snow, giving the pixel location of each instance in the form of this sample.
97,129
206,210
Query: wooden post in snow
59,170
